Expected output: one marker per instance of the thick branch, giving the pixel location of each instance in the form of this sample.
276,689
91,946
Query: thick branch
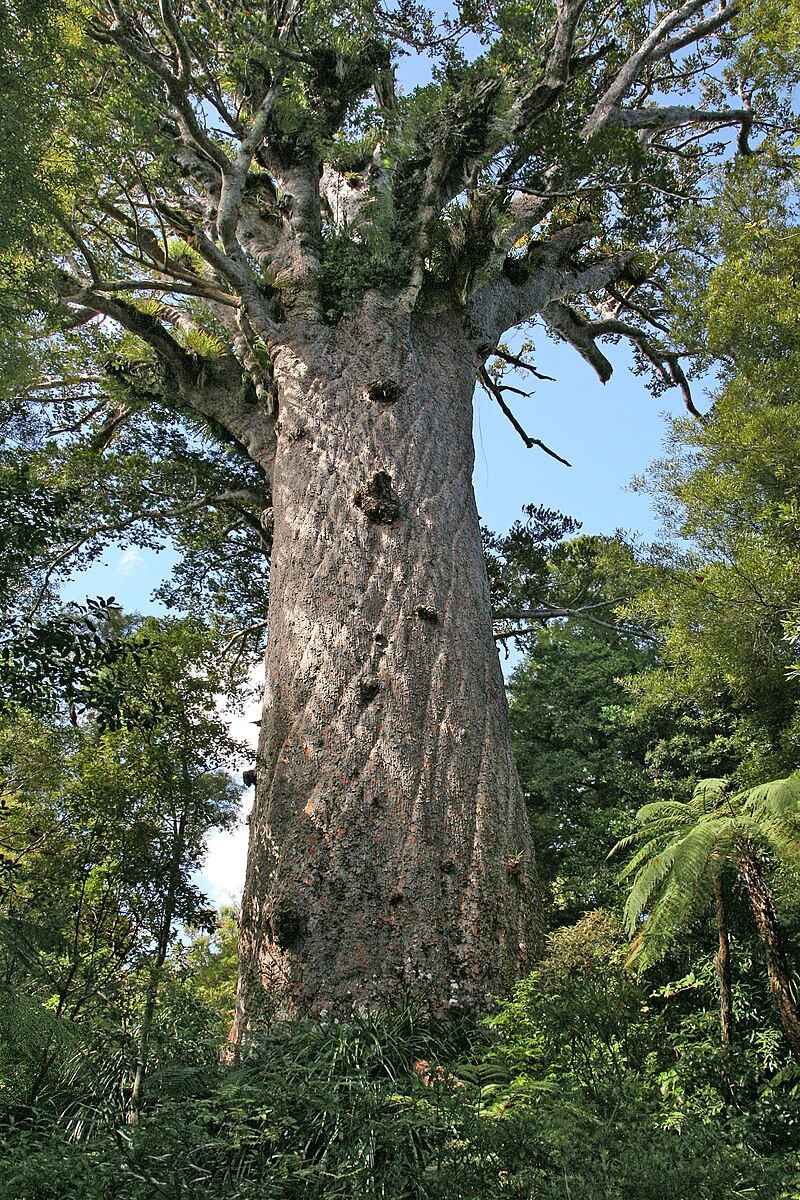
673,116
567,324
142,324
547,273
583,334
543,94
698,31
630,70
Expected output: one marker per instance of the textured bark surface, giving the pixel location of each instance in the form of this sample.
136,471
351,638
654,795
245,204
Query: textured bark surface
389,845
723,965
766,921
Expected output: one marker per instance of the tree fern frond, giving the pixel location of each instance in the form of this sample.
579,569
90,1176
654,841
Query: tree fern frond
645,886
710,790
642,855
660,809
779,799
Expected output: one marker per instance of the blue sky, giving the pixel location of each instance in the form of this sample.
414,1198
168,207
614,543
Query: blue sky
608,432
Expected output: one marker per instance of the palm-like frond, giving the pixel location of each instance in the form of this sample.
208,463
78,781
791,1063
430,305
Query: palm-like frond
680,849
642,855
775,809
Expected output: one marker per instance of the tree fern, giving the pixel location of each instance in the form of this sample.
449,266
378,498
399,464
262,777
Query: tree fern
774,809
680,851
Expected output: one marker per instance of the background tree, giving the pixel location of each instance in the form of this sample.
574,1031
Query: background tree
581,762
102,835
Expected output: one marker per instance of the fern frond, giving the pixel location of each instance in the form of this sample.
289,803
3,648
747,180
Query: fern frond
710,790
645,886
660,809
642,855
778,799
202,343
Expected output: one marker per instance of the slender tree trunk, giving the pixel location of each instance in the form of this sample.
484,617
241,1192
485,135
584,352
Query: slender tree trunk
723,964
766,921
389,845
160,957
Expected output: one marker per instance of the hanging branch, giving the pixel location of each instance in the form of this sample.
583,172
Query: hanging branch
495,390
582,334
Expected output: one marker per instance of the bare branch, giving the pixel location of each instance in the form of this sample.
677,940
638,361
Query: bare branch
494,390
242,635
630,71
165,285
698,31
673,116
521,364
582,334
567,324
119,32
546,273
551,612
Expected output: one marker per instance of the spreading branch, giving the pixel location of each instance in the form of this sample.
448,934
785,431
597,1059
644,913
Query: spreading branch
582,334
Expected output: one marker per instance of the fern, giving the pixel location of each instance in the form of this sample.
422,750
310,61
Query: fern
202,343
182,254
680,849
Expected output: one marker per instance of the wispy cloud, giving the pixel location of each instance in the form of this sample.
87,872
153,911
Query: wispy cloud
130,561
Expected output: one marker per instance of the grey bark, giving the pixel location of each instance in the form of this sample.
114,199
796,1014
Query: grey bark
389,846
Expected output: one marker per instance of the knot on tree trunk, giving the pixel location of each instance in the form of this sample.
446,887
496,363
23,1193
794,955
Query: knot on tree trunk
369,687
378,499
289,928
384,391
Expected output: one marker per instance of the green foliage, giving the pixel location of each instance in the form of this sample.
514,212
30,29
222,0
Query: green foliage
207,966
348,269
727,583
401,1105
682,848
582,767
102,832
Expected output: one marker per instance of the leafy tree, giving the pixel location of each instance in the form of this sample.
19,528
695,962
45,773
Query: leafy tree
102,834
582,770
682,851
581,762
317,267
727,490
209,963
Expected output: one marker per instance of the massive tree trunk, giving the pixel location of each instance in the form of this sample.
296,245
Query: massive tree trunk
389,847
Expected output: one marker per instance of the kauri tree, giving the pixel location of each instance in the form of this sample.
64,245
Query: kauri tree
250,226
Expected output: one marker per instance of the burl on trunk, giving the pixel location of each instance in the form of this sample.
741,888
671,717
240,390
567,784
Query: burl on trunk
389,846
